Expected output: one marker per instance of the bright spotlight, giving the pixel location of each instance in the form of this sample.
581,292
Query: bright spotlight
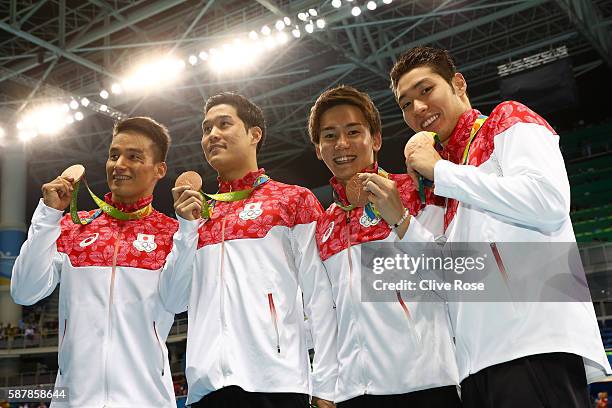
296,32
44,119
104,94
356,11
203,56
336,3
156,73
192,59
79,116
321,23
270,43
103,108
116,88
65,108
253,35
387,1
309,28
371,5
282,38
287,21
74,105
303,16
312,12
69,120
265,30
26,135
280,25
85,102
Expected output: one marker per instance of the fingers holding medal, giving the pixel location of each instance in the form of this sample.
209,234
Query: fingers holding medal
57,193
187,196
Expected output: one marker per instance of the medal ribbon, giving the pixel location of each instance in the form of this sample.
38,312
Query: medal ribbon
103,207
229,196
423,182
369,209
475,128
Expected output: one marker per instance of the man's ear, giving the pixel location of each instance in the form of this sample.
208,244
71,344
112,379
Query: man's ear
161,169
256,134
459,84
318,151
376,141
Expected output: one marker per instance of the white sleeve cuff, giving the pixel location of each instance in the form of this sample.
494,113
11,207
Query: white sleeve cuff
46,214
443,178
187,226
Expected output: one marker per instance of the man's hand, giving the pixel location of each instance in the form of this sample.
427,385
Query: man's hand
321,403
421,156
56,193
417,141
383,193
187,202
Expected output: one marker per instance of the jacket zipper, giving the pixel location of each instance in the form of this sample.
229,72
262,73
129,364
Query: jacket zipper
411,327
59,351
110,311
350,288
222,361
499,261
160,348
274,318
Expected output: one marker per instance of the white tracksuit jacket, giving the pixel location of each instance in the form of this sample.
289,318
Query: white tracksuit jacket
383,347
112,323
514,188
253,260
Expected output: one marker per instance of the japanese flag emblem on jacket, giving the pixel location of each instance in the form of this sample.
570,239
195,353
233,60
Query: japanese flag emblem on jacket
251,211
145,242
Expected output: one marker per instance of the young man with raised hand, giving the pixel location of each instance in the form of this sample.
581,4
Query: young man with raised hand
247,272
390,354
112,323
505,183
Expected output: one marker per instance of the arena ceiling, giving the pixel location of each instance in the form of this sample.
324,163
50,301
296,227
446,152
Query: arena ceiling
58,50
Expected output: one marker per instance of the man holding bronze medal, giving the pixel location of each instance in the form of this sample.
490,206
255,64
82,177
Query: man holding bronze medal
505,183
245,265
112,323
391,353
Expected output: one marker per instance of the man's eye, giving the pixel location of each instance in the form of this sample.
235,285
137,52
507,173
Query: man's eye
328,135
426,90
406,105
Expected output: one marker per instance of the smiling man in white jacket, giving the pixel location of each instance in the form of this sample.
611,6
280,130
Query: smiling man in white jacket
505,182
112,323
247,273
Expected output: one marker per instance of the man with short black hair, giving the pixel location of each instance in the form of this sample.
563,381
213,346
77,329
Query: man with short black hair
112,323
505,183
397,352
247,273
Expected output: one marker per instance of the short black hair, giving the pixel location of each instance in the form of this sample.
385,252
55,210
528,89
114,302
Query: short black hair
438,59
247,111
149,128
